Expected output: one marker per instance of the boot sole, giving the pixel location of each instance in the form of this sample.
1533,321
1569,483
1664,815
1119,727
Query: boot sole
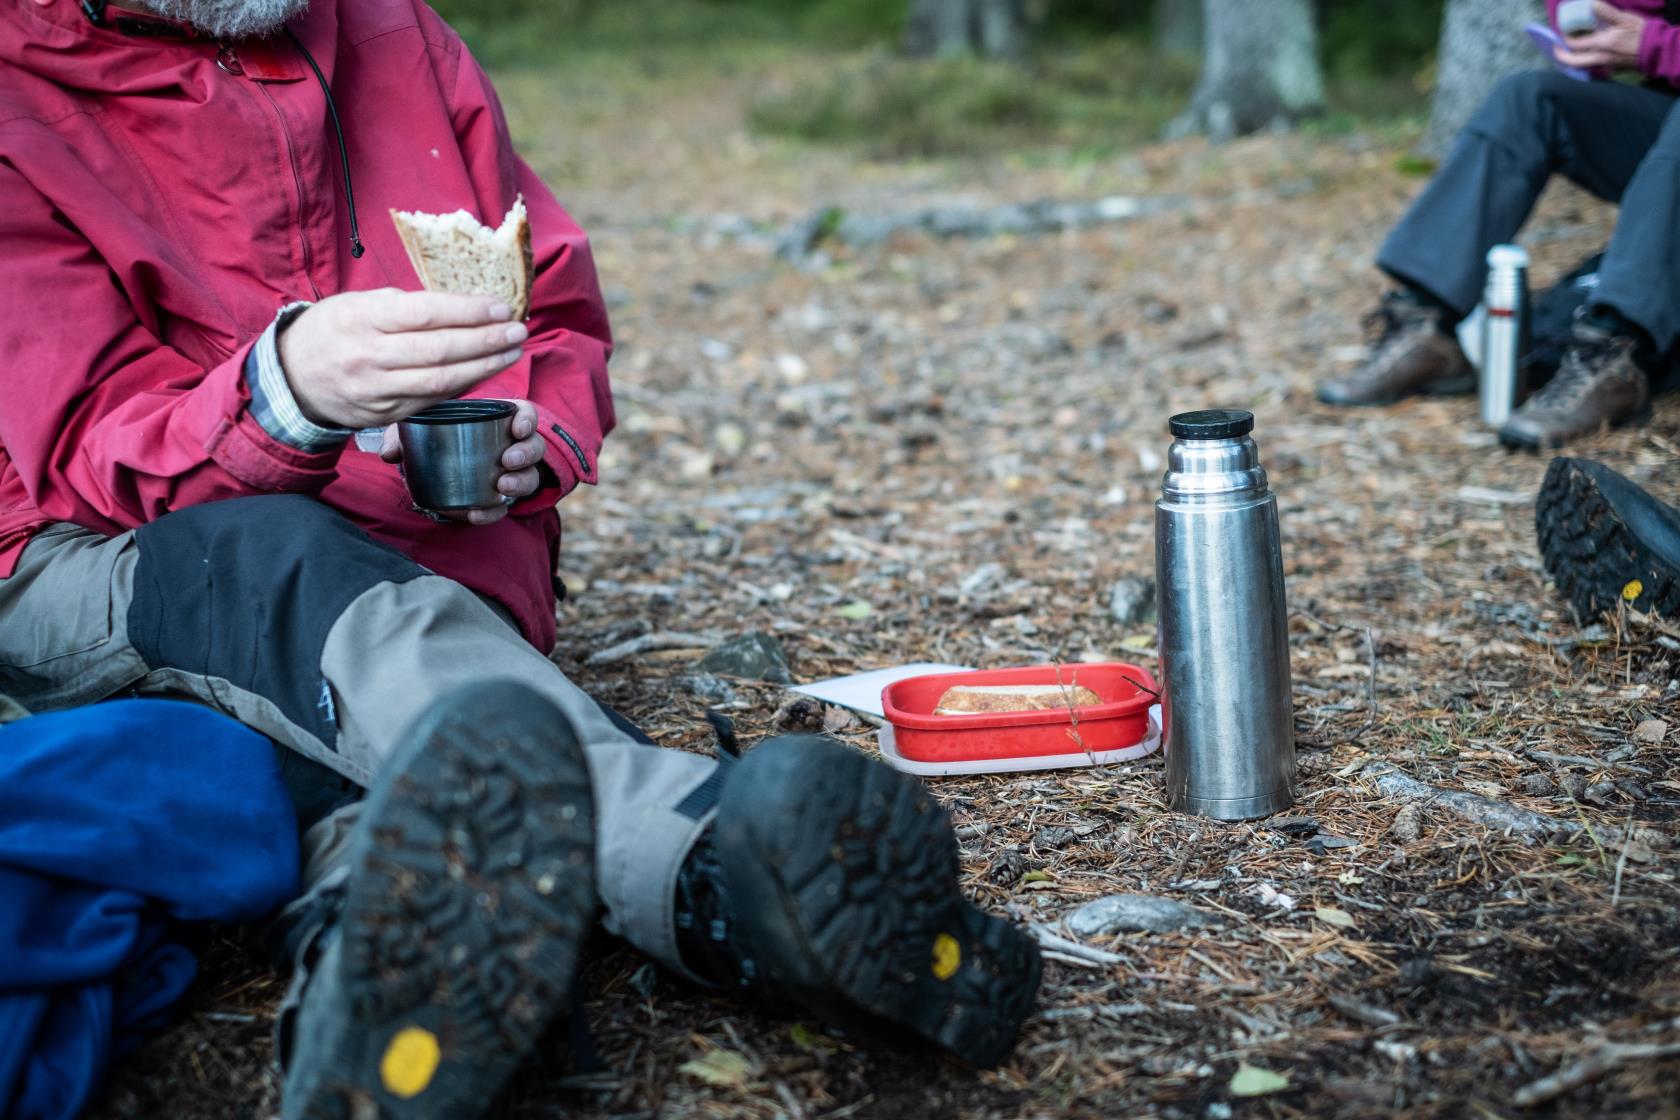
1520,441
1451,387
1591,553
845,875
465,911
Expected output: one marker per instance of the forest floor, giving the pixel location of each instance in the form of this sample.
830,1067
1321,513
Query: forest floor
947,449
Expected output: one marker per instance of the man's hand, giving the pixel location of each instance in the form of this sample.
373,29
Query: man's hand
1613,45
365,359
520,478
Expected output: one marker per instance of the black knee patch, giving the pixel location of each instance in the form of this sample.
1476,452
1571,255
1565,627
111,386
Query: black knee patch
247,590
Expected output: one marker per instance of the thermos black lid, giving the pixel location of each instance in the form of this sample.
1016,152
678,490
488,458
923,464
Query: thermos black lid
1213,423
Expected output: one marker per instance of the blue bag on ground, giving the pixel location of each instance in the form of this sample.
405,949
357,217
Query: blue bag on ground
118,823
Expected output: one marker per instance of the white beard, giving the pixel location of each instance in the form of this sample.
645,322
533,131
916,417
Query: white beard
230,19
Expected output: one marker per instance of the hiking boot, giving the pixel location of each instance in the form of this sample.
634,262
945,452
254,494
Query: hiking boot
828,882
1602,381
1413,350
1605,541
471,888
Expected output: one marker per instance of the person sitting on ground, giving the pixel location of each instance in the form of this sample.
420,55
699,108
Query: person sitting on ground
1606,542
193,321
1619,141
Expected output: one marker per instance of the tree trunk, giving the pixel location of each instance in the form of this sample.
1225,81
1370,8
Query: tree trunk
1178,28
946,28
1259,68
1482,41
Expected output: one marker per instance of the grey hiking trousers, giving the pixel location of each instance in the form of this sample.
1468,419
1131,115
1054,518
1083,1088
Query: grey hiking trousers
284,615
1620,142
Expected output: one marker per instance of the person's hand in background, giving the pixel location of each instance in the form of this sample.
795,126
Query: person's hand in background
1613,45
520,476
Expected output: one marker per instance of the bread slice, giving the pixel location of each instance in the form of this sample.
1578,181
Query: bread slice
964,700
454,253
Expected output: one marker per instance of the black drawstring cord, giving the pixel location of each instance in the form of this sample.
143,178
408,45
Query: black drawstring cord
356,249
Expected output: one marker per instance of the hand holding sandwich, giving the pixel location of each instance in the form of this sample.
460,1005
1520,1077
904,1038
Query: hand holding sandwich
366,359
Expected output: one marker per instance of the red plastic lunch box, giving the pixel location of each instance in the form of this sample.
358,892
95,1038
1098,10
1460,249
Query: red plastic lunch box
1120,721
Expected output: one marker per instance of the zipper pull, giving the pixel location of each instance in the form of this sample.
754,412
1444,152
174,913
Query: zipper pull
227,59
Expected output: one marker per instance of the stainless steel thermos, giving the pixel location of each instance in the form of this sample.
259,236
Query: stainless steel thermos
1505,332
1224,624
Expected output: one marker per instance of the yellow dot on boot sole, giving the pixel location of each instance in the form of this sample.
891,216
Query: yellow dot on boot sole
1634,589
947,956
410,1061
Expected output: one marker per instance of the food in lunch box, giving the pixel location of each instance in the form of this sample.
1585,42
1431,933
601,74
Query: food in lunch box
965,700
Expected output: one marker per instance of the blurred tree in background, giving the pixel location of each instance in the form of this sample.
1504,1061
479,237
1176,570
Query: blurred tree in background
943,28
1260,68
1482,41
907,78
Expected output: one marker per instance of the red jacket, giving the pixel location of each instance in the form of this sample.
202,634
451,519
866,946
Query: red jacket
161,199
1659,44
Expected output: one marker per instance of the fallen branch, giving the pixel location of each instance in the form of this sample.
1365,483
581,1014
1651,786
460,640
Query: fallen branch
1060,948
1498,815
1362,1012
1605,1060
649,643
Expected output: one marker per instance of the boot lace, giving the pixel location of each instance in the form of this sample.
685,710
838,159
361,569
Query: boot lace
1583,364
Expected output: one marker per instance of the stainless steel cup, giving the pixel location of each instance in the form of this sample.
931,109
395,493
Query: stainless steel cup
452,453
1224,641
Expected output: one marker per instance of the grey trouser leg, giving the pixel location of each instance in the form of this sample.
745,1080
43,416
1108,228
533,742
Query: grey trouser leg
280,613
1532,125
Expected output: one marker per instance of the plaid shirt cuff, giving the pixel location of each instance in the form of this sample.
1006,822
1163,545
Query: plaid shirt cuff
272,404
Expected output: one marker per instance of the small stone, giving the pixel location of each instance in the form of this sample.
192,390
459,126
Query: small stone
713,690
1131,601
754,656
1600,793
1651,731
1407,824
1123,913
696,466
1416,972
1052,839
730,439
793,368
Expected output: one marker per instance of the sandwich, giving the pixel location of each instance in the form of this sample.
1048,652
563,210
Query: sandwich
454,253
965,700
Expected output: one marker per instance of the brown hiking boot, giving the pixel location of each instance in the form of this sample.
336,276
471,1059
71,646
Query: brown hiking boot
1601,382
1410,353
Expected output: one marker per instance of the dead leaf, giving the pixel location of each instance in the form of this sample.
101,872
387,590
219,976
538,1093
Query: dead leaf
1251,1081
838,719
1332,916
722,1068
1651,731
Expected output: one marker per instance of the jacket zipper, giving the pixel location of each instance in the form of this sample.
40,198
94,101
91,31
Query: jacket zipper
297,181
228,60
